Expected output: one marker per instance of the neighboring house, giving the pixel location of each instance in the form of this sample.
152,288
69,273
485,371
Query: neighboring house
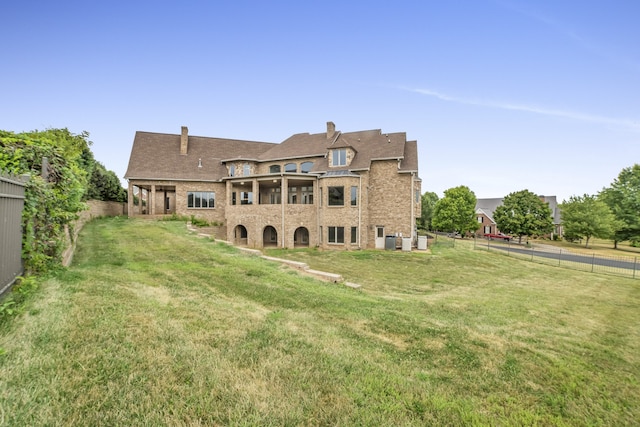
484,214
486,207
332,190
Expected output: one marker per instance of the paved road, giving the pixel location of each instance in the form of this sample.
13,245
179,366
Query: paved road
569,257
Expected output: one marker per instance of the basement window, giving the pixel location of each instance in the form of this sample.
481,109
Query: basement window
336,234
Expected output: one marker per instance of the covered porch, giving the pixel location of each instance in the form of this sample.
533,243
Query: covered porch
151,199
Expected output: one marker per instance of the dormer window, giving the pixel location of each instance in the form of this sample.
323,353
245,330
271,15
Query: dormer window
339,157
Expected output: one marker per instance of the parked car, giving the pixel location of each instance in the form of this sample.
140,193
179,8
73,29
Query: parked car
498,236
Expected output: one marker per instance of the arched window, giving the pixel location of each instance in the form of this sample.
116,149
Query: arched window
232,170
274,169
291,167
306,167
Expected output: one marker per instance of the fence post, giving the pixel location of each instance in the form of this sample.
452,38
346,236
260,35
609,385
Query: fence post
593,261
635,260
559,256
531,252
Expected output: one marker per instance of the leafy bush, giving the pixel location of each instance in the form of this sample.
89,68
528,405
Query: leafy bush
199,222
57,162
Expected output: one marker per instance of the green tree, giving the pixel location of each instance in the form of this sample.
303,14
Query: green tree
522,213
623,198
455,212
586,217
428,200
105,185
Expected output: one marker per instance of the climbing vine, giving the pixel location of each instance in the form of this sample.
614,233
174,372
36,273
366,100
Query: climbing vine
57,164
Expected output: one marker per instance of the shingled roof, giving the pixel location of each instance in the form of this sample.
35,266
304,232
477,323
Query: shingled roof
157,155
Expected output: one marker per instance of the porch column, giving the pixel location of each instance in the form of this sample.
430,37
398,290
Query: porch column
130,200
284,201
255,188
152,200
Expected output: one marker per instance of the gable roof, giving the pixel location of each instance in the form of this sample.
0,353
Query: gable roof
488,206
157,155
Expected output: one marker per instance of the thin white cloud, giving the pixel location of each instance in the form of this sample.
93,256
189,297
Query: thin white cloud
612,121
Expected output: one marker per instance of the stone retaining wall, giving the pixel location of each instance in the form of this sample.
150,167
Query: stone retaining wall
96,209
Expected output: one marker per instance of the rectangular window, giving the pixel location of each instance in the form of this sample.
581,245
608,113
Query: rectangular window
354,196
480,219
336,196
201,199
339,157
274,196
417,196
307,195
293,195
336,234
246,197
354,234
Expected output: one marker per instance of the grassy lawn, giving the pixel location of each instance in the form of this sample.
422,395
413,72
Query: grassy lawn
154,326
600,247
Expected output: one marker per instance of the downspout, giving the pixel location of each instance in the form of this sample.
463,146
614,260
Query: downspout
318,202
283,196
412,218
360,214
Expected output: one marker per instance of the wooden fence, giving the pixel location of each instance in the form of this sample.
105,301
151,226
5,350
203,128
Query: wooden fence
11,205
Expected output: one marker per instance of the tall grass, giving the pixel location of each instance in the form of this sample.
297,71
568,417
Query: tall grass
153,326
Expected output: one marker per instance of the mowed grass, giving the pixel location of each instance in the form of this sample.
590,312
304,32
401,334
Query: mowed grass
154,326
599,247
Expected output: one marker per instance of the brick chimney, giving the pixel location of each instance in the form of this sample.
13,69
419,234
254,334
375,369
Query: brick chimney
331,130
184,140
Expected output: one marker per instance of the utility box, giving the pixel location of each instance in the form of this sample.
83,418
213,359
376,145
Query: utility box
406,244
390,243
422,243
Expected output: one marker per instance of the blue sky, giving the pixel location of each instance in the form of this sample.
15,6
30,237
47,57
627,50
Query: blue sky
501,95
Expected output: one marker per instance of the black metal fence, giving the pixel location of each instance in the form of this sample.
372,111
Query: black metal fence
627,266
11,205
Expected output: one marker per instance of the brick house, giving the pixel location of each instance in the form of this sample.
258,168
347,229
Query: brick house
331,190
486,207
